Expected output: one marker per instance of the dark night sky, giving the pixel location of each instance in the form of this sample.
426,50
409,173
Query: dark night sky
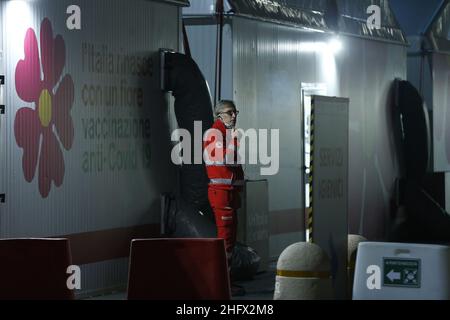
414,15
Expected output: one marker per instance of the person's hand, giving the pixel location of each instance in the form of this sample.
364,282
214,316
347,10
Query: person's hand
235,134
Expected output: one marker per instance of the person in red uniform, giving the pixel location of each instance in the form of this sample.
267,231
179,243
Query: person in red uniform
226,177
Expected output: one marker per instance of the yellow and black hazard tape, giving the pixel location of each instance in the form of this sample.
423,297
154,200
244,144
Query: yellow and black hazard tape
311,182
304,274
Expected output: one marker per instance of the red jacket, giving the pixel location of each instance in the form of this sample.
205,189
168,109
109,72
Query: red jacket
221,159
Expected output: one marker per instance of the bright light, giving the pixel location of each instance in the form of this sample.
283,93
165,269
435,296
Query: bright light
19,18
335,45
20,11
312,46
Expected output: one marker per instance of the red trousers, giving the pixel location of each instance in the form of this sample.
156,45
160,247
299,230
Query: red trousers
225,204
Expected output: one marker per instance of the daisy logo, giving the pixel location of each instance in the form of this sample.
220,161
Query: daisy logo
42,129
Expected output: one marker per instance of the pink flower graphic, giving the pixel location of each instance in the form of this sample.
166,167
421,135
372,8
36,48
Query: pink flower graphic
50,118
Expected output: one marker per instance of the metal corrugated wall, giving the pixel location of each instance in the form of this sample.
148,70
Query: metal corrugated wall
116,168
268,72
366,71
203,48
202,42
428,65
437,84
2,117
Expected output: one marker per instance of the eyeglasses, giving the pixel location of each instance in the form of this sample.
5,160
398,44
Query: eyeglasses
231,112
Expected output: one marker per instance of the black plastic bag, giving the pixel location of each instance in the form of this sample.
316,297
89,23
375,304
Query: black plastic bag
244,262
183,221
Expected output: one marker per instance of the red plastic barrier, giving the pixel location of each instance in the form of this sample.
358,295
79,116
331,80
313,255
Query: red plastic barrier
178,269
34,269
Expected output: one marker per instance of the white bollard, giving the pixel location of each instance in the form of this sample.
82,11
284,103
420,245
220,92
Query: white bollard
303,273
353,242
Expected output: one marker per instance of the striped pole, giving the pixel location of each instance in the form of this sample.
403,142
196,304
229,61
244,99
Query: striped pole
310,177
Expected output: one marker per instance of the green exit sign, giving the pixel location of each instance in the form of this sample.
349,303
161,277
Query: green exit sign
401,272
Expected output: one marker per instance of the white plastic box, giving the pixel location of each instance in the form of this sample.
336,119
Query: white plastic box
402,271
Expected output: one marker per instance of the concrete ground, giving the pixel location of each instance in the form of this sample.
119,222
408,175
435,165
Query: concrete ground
261,287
